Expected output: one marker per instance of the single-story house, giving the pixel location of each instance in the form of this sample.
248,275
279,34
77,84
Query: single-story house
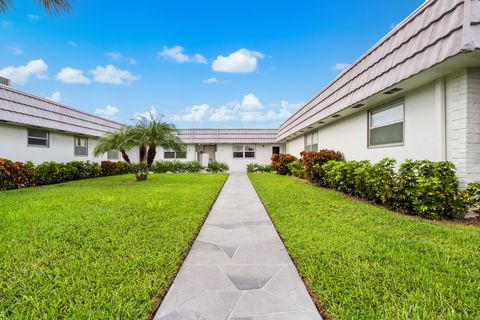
36,129
414,95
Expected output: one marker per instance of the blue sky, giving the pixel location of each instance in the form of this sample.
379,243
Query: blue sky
199,63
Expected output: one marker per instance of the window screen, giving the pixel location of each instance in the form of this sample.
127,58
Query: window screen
237,151
386,125
311,141
38,138
113,155
80,146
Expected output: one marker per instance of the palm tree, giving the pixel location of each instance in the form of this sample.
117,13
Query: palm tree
150,133
112,141
54,6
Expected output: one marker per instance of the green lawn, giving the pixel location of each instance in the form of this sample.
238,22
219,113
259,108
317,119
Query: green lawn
100,248
364,262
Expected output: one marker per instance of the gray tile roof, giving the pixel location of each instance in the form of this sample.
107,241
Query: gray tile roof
209,136
25,109
439,29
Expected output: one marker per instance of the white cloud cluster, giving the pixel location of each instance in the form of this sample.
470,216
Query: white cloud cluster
72,43
112,75
72,76
177,54
33,17
20,74
340,66
108,112
55,97
250,109
118,57
240,61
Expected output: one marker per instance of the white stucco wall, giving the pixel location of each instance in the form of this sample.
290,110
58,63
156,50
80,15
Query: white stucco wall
350,134
13,146
295,146
263,155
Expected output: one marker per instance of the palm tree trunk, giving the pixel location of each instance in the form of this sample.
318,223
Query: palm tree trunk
152,152
143,151
125,156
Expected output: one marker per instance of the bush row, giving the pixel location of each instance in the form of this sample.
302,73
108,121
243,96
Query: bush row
216,166
425,188
15,175
255,167
176,166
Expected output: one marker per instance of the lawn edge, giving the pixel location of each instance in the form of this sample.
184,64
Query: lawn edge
162,295
319,304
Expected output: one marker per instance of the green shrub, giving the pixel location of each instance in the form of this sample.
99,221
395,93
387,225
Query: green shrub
310,159
16,175
473,192
216,166
426,188
109,168
255,167
280,163
51,172
176,166
124,167
297,169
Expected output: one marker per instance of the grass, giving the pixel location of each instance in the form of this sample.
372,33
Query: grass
365,262
100,248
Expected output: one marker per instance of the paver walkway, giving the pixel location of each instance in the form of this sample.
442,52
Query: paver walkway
238,267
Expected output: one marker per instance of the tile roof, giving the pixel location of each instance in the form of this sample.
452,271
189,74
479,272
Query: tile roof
208,136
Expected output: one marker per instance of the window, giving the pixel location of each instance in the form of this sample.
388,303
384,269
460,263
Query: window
170,154
80,146
311,141
244,151
386,125
113,155
38,138
275,150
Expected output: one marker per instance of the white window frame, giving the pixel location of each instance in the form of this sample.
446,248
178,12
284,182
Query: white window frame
75,146
384,107
175,156
47,139
310,142
244,150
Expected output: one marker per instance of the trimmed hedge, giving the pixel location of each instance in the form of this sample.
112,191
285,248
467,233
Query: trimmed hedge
15,175
280,163
255,167
176,166
425,188
297,169
216,167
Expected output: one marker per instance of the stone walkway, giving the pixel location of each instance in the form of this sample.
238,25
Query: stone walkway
238,267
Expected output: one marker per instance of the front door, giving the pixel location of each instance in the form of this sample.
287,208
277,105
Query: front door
275,150
210,150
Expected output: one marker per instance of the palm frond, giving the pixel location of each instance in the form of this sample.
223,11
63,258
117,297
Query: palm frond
5,4
52,6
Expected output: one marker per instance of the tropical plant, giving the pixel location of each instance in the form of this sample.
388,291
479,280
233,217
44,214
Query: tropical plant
112,141
216,167
54,6
150,133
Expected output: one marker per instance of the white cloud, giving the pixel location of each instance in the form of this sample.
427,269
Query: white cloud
73,76
72,43
110,74
107,112
177,54
152,112
33,17
210,80
16,50
56,96
340,66
250,109
21,74
6,23
118,57
195,113
240,61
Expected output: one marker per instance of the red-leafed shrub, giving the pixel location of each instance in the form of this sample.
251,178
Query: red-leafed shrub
15,175
310,159
109,168
280,162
